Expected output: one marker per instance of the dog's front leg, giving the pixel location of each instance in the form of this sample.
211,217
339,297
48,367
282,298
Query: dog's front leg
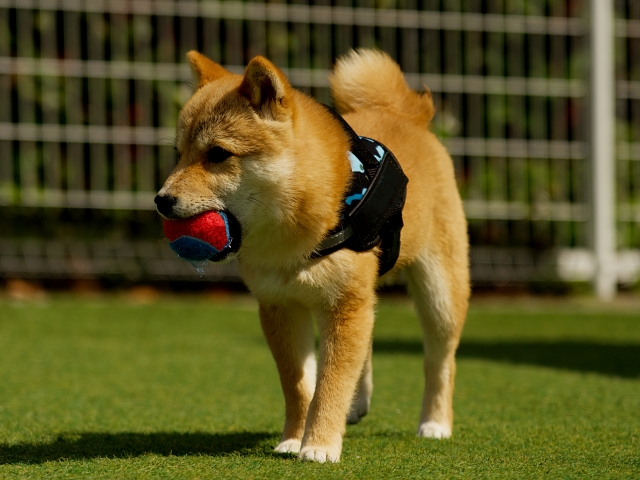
345,334
289,333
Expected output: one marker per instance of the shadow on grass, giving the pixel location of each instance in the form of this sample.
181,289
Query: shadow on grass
620,360
76,446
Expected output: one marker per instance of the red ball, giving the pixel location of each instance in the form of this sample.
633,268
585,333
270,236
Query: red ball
210,227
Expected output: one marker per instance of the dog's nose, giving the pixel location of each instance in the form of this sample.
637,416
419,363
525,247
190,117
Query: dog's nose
165,204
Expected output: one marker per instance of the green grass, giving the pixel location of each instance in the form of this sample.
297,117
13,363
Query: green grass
186,388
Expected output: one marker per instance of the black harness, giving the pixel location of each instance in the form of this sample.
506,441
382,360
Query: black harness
372,211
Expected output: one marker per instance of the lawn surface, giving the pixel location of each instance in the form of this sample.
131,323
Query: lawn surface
186,388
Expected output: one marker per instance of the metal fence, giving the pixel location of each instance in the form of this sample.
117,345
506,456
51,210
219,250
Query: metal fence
90,90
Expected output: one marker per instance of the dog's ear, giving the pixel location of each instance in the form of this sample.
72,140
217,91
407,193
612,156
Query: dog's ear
204,69
267,88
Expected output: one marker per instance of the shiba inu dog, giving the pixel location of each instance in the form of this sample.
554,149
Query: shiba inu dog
277,161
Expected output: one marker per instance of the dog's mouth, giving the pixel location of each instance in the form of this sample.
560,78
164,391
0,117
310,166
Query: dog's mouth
211,235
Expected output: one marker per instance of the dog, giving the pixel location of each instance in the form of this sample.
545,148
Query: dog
276,159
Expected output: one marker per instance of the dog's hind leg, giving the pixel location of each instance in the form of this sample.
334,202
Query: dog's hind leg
441,297
289,333
362,398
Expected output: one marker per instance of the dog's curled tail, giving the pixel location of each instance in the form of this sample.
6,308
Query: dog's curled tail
370,78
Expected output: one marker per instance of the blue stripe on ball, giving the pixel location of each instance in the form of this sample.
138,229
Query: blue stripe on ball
226,226
193,249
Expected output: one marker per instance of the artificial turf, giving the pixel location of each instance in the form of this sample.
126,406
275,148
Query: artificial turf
186,388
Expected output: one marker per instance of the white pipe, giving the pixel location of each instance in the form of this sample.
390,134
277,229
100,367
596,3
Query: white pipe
603,160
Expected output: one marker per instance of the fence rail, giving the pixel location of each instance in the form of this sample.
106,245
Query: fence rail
544,87
91,90
323,14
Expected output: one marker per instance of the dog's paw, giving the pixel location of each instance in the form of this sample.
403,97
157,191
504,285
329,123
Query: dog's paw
356,413
360,405
288,446
433,429
319,454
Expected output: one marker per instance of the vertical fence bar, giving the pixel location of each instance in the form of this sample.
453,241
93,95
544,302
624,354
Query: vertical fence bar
211,39
560,175
365,34
167,89
474,110
386,37
50,108
577,118
300,46
624,111
74,107
321,48
277,40
234,41
26,89
143,107
120,101
256,38
409,45
520,168
536,125
493,48
602,77
6,148
430,61
343,34
631,172
188,35
96,33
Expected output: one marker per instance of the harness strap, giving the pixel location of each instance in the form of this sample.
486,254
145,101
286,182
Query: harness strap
357,147
377,218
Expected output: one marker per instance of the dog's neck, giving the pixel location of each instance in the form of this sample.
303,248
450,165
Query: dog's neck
313,201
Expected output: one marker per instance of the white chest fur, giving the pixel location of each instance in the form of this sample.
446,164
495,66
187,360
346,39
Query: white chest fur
319,283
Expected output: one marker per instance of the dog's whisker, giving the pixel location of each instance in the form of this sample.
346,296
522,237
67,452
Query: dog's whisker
259,202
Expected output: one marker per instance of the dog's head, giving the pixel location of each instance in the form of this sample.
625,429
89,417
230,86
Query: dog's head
239,152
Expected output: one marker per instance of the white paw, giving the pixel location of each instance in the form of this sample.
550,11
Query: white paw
288,446
318,454
433,429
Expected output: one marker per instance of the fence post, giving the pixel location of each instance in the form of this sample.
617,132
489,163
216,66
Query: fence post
602,148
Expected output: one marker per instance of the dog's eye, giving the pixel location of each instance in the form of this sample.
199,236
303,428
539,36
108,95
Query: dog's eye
217,155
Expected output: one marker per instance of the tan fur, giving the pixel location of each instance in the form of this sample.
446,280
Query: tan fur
366,79
284,183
